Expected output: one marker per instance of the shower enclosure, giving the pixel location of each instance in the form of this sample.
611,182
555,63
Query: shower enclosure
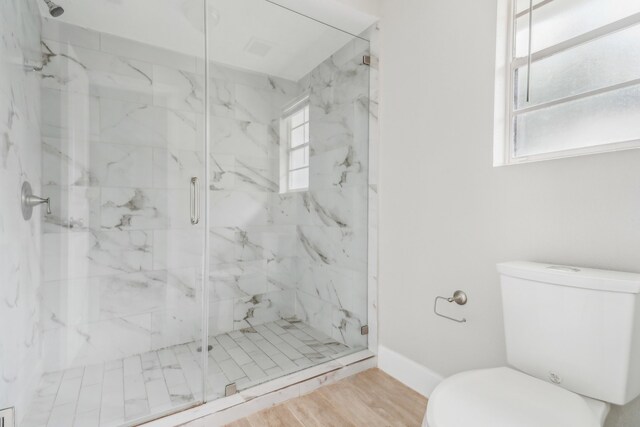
207,170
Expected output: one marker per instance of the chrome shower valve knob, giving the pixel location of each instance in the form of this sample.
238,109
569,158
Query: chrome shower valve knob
29,201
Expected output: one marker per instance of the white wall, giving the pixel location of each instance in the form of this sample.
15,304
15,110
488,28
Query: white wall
447,216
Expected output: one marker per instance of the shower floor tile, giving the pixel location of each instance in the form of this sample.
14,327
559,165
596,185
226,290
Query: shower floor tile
120,391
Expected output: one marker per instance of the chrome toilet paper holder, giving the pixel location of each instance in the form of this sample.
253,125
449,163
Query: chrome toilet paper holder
459,297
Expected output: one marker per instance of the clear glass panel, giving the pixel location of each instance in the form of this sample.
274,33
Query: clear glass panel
560,20
603,62
607,118
115,134
288,283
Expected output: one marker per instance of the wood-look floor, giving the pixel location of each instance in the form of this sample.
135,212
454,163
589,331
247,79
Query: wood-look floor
371,398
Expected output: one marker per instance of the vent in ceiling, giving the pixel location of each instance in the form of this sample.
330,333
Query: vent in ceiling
258,47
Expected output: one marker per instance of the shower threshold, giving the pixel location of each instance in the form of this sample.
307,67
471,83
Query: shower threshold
124,391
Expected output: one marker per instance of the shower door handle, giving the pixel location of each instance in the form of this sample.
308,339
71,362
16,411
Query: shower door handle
195,201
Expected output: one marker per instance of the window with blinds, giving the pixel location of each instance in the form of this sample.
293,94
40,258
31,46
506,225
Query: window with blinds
569,71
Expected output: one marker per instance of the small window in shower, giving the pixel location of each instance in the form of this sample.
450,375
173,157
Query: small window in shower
295,127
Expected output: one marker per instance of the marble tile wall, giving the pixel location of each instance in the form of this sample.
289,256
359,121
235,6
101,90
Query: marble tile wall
20,243
253,241
121,138
332,221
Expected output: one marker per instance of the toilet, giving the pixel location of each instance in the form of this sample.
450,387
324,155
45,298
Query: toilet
573,348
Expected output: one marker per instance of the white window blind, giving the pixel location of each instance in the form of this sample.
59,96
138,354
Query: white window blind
571,82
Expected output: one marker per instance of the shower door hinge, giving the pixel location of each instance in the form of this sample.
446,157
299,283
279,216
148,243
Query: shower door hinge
7,417
371,61
230,389
364,330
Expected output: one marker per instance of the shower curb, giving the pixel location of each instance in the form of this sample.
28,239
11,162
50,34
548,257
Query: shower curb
229,409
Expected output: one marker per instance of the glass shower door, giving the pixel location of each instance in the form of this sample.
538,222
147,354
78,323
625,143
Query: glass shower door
288,193
122,131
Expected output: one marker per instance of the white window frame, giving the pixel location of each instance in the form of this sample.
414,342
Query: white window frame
285,143
506,63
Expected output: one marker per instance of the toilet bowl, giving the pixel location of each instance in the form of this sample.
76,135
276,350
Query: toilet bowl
573,346
505,397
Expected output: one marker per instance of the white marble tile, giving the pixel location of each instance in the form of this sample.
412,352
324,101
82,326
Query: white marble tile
75,302
71,116
177,248
314,311
338,168
91,343
93,374
241,137
66,162
87,419
238,280
340,207
334,246
347,328
263,308
174,168
136,403
62,415
75,69
132,366
68,391
86,254
118,165
74,208
112,404
158,395
222,98
255,105
239,209
178,89
38,411
136,208
89,398
189,362
221,316
143,124
343,287
244,173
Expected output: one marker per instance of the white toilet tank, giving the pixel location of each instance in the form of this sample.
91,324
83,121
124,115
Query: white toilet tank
575,327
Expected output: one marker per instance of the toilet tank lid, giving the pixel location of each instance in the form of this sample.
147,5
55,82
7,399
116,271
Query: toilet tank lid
578,277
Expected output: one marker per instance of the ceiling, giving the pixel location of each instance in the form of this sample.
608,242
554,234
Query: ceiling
251,34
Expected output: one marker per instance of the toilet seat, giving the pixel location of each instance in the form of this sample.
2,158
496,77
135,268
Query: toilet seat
504,397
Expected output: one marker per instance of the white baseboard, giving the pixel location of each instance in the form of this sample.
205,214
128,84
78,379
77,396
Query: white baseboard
410,373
